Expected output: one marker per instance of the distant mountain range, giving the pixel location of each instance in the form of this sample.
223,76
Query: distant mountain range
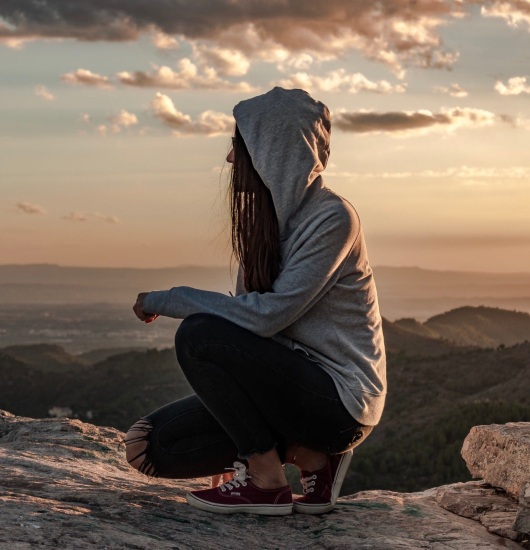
445,375
465,326
403,291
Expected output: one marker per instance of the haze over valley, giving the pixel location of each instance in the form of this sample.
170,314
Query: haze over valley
82,309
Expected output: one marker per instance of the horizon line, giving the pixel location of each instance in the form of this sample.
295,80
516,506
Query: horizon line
225,266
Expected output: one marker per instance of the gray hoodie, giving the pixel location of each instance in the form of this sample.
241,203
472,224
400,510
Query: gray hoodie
324,301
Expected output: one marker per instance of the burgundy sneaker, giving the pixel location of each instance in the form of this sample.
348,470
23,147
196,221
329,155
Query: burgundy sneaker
239,495
322,487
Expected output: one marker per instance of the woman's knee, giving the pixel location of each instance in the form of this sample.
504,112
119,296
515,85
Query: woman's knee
138,442
193,331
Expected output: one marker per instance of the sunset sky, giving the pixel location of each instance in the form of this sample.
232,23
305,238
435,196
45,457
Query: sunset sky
115,124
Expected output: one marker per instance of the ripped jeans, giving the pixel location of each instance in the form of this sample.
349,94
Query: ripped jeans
252,394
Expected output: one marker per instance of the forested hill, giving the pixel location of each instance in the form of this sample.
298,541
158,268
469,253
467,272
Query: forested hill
472,326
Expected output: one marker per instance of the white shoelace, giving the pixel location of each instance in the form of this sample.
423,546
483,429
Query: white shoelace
308,484
239,477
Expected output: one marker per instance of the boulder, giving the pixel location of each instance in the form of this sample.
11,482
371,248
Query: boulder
499,454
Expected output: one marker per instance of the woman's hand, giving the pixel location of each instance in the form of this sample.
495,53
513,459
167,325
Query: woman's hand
140,313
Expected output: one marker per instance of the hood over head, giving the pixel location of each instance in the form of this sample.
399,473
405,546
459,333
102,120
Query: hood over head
287,134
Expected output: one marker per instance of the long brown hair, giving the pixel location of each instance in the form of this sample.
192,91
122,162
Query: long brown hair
254,232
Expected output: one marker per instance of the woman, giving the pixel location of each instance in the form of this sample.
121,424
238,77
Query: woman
291,369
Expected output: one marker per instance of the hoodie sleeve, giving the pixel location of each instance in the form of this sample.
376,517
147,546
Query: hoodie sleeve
308,274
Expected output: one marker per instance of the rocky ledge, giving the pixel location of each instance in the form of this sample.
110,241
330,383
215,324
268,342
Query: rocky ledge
500,455
65,485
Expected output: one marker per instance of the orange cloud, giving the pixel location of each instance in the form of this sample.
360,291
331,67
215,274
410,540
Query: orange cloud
87,78
406,123
187,76
29,208
516,85
210,123
392,32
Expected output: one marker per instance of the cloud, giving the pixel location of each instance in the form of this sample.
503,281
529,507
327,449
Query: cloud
80,217
75,217
101,129
407,123
298,62
210,123
468,173
516,85
514,12
28,208
87,78
378,37
104,130
164,41
42,91
105,218
392,32
455,90
247,39
515,121
185,78
226,61
14,43
84,117
339,80
124,119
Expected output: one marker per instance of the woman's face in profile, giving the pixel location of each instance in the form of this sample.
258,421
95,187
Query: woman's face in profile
230,157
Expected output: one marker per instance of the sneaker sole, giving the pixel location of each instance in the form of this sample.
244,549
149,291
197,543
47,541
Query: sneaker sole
342,468
261,509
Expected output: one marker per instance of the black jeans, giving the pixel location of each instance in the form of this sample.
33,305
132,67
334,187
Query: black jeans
253,394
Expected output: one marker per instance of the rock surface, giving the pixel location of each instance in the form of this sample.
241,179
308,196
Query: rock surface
65,484
493,507
522,521
500,455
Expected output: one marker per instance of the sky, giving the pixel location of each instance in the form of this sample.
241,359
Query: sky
115,123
